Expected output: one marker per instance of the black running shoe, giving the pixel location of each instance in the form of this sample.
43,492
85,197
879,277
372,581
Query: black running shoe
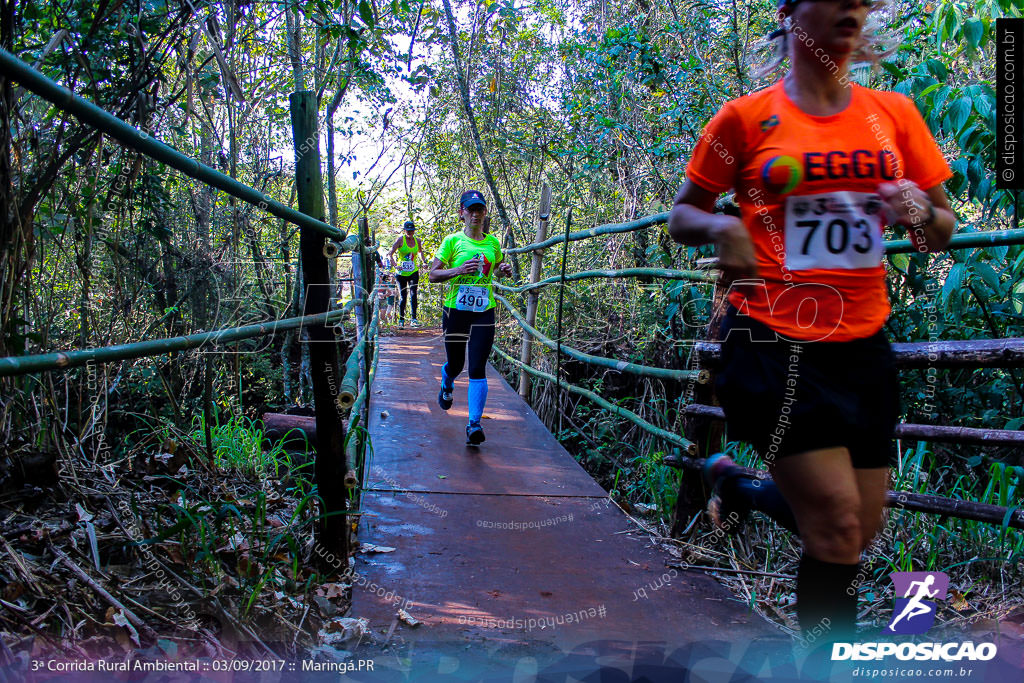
444,398
474,434
725,508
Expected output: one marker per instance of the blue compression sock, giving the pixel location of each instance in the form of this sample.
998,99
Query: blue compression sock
446,381
764,496
477,399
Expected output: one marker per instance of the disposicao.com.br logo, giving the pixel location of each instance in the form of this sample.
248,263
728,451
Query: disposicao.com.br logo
914,613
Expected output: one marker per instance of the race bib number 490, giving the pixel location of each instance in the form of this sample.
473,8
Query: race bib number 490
406,266
472,298
834,230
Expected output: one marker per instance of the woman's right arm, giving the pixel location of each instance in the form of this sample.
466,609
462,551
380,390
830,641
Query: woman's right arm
438,273
394,248
692,223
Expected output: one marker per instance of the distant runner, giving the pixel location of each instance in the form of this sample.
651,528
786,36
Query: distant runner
820,167
386,294
408,247
468,261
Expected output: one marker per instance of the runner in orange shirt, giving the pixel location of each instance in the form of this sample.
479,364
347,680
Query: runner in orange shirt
819,166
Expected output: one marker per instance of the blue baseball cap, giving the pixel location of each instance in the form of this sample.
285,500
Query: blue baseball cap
472,198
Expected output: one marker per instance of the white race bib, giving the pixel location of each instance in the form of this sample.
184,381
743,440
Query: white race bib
834,230
406,266
471,298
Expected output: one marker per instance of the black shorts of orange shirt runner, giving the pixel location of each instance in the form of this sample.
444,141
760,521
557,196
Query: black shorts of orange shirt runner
786,397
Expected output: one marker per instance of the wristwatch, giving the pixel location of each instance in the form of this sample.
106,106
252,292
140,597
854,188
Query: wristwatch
930,217
931,214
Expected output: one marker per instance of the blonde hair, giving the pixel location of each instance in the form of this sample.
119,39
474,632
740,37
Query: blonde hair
875,44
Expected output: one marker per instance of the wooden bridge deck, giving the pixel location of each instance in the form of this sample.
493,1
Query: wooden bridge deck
496,547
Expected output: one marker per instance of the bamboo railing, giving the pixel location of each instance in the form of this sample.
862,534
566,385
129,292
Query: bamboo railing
628,415
63,360
973,353
314,250
920,432
618,365
658,273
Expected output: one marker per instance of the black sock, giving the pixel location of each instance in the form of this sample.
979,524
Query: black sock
761,495
826,599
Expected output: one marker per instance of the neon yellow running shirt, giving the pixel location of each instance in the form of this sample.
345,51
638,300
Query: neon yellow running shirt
470,292
407,256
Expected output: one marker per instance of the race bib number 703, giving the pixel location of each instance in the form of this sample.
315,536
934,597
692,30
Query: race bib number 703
834,230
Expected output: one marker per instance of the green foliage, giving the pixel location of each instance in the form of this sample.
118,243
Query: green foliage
238,445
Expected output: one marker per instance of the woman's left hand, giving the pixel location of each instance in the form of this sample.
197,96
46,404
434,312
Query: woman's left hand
905,203
505,268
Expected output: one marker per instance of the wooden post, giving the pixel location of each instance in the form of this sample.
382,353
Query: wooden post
369,279
707,435
526,356
358,285
323,350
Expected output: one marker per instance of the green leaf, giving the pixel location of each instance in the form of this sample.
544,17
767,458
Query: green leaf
959,113
974,31
894,71
949,27
901,262
366,13
940,97
937,69
1017,301
990,276
954,283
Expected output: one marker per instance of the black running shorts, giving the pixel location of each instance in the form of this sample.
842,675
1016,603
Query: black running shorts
786,397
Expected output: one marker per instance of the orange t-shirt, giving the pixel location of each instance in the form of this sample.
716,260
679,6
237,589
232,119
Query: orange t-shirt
807,191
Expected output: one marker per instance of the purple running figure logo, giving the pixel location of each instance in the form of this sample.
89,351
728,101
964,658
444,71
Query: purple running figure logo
916,593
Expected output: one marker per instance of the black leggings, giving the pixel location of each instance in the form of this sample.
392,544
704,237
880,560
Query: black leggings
407,283
466,328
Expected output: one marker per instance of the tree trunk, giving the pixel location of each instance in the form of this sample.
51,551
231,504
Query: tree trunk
293,33
484,166
323,351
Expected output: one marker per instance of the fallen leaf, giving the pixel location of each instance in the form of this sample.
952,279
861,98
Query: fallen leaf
407,618
442,476
327,608
175,554
341,629
371,548
331,590
164,458
121,620
246,566
83,514
13,591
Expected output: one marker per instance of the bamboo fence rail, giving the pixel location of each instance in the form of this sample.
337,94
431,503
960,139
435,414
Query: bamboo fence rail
62,360
619,365
628,415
